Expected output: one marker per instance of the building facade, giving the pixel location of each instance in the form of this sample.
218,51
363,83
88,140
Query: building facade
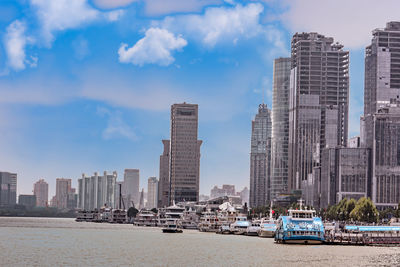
184,160
8,189
164,184
260,157
130,187
318,102
344,173
280,127
28,201
41,191
97,191
152,192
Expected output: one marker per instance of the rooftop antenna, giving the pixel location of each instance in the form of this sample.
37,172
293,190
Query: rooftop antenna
263,93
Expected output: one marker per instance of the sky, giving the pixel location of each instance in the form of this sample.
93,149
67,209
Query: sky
87,85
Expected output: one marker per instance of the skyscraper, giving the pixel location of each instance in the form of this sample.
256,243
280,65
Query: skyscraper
260,157
8,189
163,184
152,192
130,187
184,172
63,189
280,127
41,191
318,102
380,125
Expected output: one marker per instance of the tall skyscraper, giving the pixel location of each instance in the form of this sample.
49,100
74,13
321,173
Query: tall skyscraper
8,189
163,184
184,169
382,68
260,157
63,189
152,192
318,102
380,125
41,191
97,191
130,187
141,199
280,127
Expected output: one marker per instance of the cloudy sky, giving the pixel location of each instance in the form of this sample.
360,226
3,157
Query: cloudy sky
86,85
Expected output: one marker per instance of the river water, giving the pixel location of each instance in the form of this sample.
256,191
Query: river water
64,242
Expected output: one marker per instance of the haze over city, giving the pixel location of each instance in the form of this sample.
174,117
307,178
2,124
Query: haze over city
88,86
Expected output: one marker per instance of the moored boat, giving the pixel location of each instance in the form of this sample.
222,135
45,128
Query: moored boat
239,227
171,228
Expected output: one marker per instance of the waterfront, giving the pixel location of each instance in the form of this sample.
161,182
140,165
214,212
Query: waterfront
64,242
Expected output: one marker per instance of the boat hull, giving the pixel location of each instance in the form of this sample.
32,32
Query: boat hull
172,231
263,233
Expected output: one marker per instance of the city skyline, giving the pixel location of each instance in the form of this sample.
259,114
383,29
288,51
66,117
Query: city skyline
47,117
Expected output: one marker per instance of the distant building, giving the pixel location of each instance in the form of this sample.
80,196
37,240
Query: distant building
141,199
280,127
130,187
63,189
8,189
226,190
97,191
152,192
28,201
354,142
41,191
203,198
164,184
244,195
260,157
344,173
184,160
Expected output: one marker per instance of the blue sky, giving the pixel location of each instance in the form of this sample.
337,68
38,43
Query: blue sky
86,85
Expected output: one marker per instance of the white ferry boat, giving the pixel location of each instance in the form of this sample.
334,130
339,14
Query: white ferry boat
253,228
300,227
267,226
208,222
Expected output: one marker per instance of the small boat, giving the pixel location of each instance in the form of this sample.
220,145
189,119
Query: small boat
224,229
253,228
239,227
171,228
267,225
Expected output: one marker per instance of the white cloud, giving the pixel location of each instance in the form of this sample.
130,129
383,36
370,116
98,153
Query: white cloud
61,15
349,22
163,7
116,126
154,48
81,47
15,42
218,24
110,4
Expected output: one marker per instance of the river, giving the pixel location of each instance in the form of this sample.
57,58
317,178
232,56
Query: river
64,242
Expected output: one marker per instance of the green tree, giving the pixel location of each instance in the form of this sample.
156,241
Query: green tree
154,210
365,211
332,212
349,207
341,209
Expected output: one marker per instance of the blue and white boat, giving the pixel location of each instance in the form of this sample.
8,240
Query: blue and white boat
300,227
239,227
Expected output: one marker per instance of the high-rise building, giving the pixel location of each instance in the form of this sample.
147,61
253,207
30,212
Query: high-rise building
260,157
8,189
63,189
280,127
382,68
163,184
41,191
130,187
184,171
97,191
152,192
141,199
318,102
380,125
